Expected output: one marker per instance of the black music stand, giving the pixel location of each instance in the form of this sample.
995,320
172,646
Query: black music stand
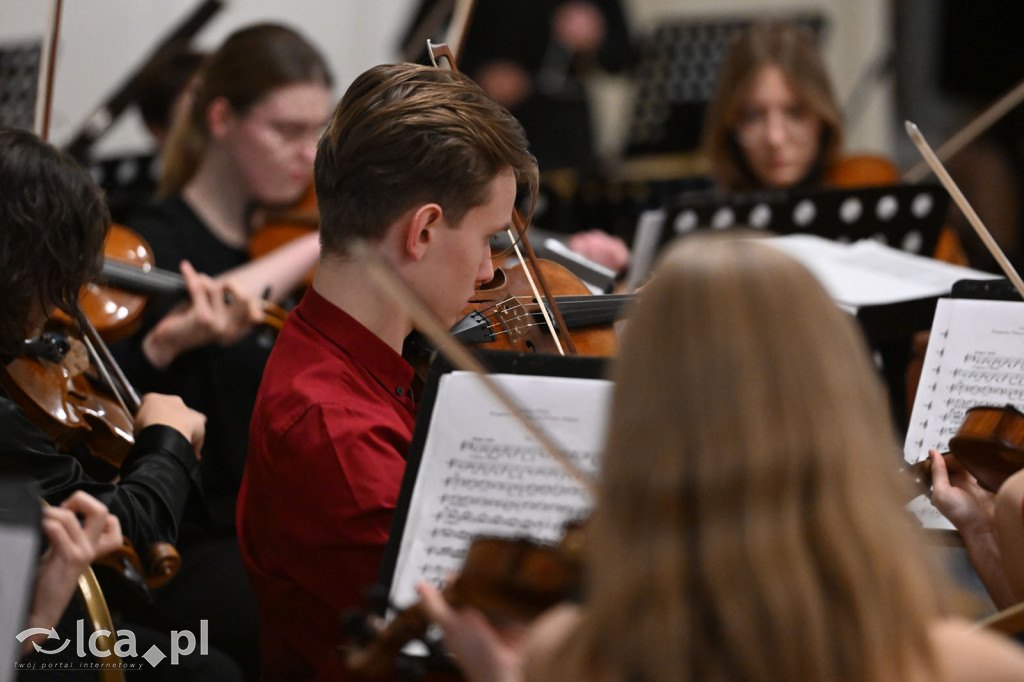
908,217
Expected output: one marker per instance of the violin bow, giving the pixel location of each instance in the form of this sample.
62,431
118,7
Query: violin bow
104,360
969,132
518,236
47,67
942,174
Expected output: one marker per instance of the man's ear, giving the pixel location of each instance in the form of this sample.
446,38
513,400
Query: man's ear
219,117
422,226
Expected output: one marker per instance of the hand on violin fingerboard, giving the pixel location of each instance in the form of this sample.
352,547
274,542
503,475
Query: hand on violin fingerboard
217,312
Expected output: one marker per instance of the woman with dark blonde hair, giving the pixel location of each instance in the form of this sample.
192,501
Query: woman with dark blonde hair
774,121
246,141
749,521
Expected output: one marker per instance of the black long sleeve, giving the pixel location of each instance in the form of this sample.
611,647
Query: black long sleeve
149,499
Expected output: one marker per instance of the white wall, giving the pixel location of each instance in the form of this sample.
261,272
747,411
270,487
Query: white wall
102,41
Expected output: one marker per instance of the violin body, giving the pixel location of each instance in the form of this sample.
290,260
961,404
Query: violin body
990,444
862,170
508,303
61,396
116,312
506,579
281,226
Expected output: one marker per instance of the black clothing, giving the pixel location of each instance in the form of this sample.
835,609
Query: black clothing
221,382
556,115
156,477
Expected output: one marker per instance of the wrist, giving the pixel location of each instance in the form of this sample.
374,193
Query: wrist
161,348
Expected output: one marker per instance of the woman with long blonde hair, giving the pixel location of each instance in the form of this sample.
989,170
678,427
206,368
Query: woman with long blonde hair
749,521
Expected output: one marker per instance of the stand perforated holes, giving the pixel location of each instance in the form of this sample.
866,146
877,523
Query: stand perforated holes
685,222
760,216
851,210
723,218
912,241
887,208
921,205
804,213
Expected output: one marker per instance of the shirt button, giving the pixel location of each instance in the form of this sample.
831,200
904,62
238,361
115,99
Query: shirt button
400,390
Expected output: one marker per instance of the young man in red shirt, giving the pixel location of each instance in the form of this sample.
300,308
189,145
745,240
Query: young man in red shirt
424,166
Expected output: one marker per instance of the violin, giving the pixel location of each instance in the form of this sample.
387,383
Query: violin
989,445
58,386
505,315
281,226
862,170
507,579
128,277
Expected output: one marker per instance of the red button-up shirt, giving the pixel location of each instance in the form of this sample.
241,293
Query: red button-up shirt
327,446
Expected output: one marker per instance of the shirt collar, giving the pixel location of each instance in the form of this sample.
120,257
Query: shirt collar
352,338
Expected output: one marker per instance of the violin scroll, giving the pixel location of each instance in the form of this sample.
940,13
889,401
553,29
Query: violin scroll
162,563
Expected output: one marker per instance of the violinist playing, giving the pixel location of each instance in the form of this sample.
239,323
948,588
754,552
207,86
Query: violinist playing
748,525
246,141
53,220
421,164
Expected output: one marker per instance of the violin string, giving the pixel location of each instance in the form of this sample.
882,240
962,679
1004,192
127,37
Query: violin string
103,371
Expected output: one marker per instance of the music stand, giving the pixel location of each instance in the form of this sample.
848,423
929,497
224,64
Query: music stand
19,80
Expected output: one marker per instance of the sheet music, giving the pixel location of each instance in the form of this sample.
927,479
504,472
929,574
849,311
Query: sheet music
975,357
869,273
482,473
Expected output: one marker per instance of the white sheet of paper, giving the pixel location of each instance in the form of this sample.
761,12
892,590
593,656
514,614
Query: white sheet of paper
975,357
869,273
482,473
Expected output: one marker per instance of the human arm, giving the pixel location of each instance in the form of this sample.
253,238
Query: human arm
1009,520
275,275
602,248
154,485
971,509
216,312
73,545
